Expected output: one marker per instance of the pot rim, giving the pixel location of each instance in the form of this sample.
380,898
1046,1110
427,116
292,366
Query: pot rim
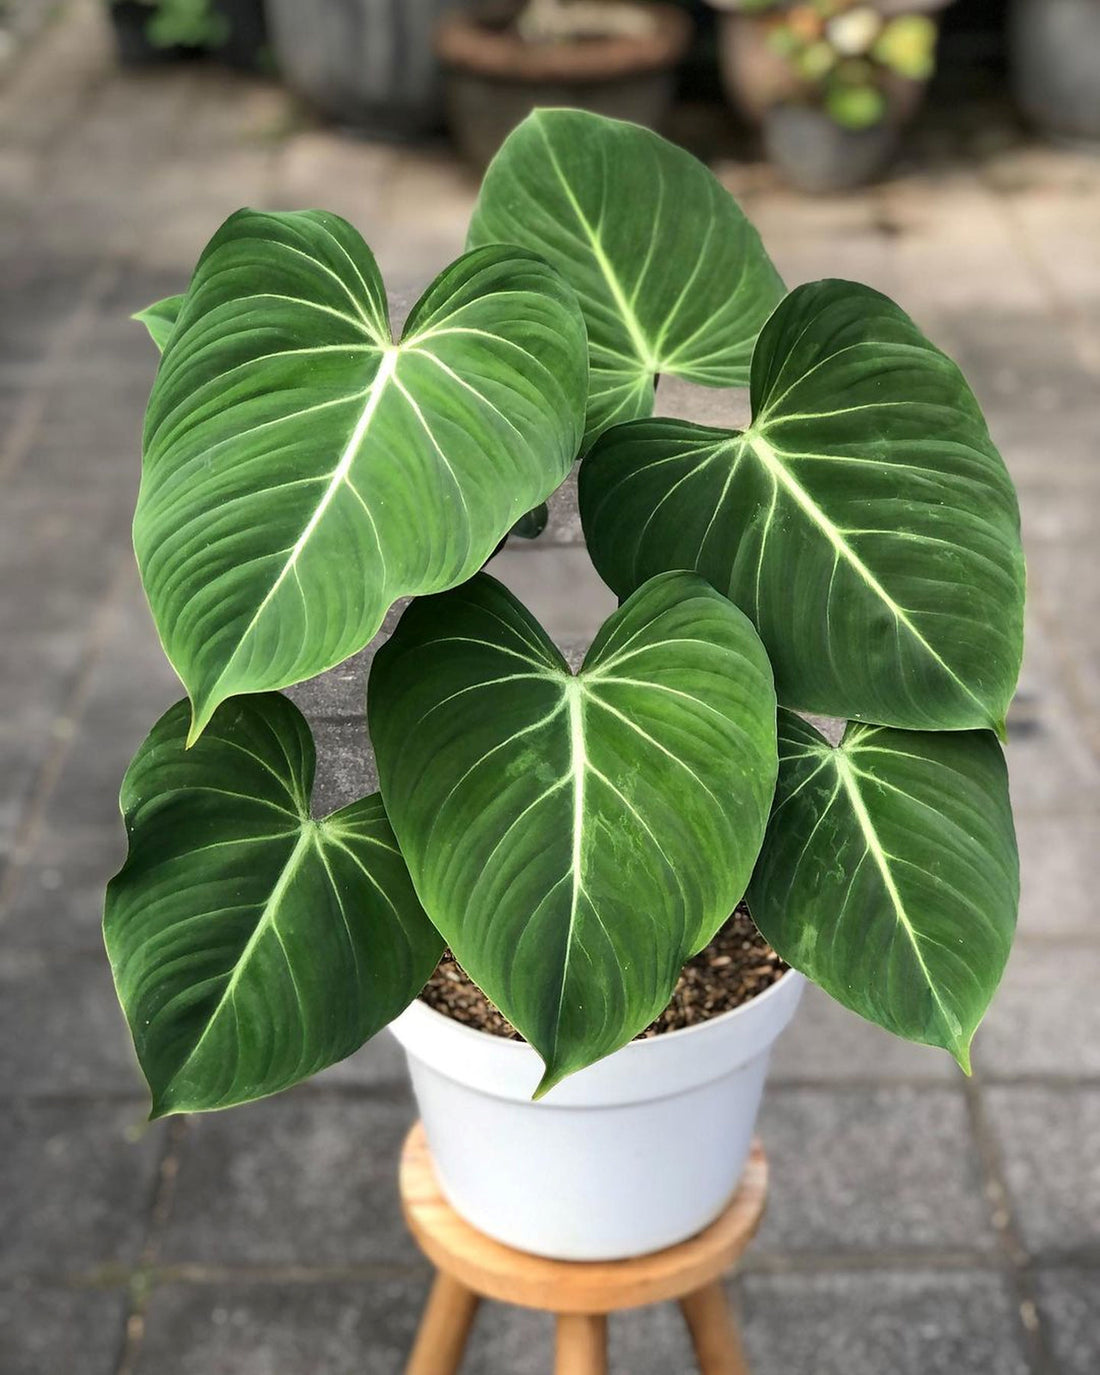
641,1071
464,42
723,1018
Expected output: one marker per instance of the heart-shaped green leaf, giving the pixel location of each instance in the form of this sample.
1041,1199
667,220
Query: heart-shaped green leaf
252,946
302,472
864,521
160,319
889,874
671,276
576,838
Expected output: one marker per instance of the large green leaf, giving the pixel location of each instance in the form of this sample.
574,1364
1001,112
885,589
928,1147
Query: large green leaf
251,945
864,521
576,838
889,874
302,472
671,276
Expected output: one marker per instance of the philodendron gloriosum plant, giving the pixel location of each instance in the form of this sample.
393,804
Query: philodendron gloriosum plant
574,837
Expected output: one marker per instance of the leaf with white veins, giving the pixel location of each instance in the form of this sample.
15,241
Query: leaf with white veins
576,838
671,276
889,874
303,471
864,522
251,945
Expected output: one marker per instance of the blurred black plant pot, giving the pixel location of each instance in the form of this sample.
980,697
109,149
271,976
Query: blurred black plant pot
1055,47
494,77
367,63
815,154
246,42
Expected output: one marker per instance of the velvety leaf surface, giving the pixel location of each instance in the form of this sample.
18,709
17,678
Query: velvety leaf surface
252,946
302,472
671,276
865,522
160,319
889,874
576,839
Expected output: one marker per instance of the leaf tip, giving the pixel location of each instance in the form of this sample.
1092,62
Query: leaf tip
161,1107
1000,729
202,712
961,1051
550,1079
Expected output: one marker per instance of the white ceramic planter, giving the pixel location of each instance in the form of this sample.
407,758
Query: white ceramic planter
636,1153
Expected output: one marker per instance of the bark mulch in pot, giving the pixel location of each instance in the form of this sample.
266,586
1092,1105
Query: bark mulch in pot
736,966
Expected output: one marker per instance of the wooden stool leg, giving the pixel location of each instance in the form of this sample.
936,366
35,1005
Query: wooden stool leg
446,1323
713,1332
582,1344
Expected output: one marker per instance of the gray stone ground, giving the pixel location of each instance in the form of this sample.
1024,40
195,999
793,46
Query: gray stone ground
918,1223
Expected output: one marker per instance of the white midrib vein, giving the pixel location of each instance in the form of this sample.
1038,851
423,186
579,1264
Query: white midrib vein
847,777
387,369
264,924
578,760
641,344
773,465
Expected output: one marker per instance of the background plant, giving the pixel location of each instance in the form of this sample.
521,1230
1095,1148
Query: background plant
185,23
846,52
854,552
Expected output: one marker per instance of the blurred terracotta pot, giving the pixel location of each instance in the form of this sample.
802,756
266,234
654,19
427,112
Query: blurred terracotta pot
367,63
1056,65
494,78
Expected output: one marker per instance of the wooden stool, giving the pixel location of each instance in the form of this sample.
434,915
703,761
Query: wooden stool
471,1266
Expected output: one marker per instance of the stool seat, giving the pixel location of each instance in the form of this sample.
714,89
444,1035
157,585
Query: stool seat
472,1266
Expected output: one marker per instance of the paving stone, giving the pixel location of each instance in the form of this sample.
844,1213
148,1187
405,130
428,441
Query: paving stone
131,686
260,1329
77,1185
1059,504
1051,769
40,295
307,1178
40,679
1069,1302
61,1028
723,407
19,764
380,1063
237,1328
1065,575
1047,1140
341,693
345,764
643,1341
57,556
871,1170
1045,1019
59,901
872,1322
1059,875
49,1331
559,586
826,1042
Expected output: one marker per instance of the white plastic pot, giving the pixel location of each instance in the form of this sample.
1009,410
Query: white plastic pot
633,1154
